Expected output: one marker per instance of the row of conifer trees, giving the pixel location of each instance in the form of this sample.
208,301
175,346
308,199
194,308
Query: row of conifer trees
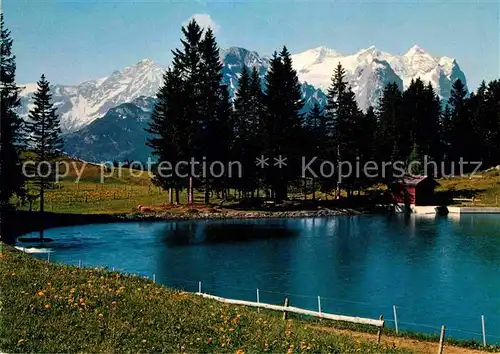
194,118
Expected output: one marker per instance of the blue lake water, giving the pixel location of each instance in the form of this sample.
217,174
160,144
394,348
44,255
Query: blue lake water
436,270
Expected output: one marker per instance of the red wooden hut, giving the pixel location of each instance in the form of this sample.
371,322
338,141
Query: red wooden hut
414,190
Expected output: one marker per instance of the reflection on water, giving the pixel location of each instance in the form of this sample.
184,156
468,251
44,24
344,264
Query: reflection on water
437,270
182,234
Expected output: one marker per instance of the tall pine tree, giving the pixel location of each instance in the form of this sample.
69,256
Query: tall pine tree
11,133
282,122
44,137
345,118
461,124
211,76
169,129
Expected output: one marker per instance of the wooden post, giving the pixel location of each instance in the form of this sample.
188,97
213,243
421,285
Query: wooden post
379,332
286,305
484,331
395,319
441,339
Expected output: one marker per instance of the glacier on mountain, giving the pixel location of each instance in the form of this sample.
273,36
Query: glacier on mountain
367,72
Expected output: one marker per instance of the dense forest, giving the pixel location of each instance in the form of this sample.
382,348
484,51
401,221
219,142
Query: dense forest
195,119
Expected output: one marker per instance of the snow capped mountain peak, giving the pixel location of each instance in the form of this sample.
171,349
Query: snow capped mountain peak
81,104
368,71
146,61
415,50
323,52
371,49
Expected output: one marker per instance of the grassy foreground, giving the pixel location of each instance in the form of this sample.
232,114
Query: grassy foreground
56,308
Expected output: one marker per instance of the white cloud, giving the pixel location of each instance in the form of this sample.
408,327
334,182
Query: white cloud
204,21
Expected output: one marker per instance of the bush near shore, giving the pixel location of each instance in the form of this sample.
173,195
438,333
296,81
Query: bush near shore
49,307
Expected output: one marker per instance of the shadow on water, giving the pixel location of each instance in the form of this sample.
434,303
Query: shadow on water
183,234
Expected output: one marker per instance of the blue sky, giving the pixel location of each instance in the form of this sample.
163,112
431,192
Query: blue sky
72,41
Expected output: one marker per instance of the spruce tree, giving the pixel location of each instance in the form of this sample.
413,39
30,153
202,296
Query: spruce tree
283,122
188,62
462,127
445,133
44,137
316,141
211,76
366,142
393,129
492,112
169,129
11,133
255,121
243,129
344,117
415,161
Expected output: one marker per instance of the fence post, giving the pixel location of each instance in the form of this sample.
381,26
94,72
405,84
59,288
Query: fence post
199,287
286,305
79,263
258,300
484,331
395,319
154,278
319,305
441,339
48,256
379,332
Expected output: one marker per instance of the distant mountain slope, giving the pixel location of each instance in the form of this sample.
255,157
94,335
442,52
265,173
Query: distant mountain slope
368,71
119,135
79,105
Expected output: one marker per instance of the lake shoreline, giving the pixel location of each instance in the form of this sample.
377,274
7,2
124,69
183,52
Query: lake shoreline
15,222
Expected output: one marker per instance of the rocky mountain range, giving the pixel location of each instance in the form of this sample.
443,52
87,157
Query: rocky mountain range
96,110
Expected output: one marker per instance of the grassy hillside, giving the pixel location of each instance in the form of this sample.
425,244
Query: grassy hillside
56,308
120,193
481,190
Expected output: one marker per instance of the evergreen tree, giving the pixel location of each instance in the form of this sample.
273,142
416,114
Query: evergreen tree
366,141
462,127
11,134
44,136
430,122
415,161
169,128
445,132
393,128
344,117
256,134
492,112
244,130
188,62
283,122
211,76
316,141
